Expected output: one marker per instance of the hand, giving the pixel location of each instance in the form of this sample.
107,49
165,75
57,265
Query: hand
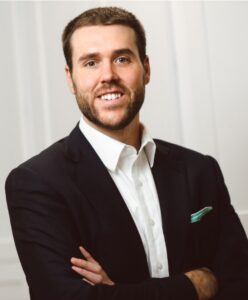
90,269
204,282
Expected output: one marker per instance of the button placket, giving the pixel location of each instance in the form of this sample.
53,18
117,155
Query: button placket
159,266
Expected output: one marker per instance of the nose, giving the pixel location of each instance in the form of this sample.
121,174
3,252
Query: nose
108,73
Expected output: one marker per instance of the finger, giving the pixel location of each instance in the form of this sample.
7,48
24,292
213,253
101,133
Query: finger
86,254
86,280
87,265
90,276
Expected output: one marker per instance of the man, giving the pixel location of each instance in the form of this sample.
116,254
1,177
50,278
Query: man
153,219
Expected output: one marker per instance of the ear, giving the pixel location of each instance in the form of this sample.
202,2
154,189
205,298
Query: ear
68,75
147,69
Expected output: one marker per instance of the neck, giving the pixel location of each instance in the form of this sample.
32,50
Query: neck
130,135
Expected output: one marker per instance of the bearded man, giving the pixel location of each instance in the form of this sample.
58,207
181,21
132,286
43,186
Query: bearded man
135,218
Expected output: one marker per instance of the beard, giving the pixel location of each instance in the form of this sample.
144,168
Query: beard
132,109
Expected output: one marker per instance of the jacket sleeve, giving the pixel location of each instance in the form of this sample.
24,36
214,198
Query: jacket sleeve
44,236
231,259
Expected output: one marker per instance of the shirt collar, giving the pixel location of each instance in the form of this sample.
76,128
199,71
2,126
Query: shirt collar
149,146
110,150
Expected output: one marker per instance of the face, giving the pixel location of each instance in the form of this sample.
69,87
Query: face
108,77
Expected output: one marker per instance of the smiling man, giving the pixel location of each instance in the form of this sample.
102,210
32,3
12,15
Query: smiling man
108,79
155,218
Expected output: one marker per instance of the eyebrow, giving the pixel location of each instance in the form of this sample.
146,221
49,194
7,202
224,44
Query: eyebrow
97,54
124,51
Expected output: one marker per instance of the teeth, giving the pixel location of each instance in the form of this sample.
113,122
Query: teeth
110,97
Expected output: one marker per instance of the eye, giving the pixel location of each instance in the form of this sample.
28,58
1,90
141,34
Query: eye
90,64
122,60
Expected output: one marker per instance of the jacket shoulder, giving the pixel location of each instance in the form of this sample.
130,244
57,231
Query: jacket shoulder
50,156
177,151
191,159
46,166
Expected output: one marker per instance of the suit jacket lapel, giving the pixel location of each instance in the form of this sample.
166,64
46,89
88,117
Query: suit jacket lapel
92,177
97,186
170,179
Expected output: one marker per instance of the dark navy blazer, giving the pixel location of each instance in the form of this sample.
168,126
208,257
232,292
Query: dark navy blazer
64,197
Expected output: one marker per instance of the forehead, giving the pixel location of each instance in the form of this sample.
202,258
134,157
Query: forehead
102,38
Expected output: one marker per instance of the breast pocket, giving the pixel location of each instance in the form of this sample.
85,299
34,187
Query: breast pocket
203,240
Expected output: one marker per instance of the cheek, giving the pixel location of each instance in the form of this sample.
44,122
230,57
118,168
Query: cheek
135,77
135,80
85,82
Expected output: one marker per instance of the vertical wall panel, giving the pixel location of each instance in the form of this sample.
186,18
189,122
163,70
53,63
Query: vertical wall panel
27,76
11,138
194,82
227,25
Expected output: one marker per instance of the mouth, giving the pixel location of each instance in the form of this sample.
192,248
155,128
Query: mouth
111,96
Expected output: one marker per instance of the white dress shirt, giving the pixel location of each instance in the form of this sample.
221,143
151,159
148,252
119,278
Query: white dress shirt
131,172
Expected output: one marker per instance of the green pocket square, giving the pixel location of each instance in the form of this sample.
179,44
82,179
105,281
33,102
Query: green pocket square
196,217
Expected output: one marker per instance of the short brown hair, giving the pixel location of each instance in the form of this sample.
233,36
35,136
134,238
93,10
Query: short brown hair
103,16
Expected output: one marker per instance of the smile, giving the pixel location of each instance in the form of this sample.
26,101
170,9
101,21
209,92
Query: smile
111,96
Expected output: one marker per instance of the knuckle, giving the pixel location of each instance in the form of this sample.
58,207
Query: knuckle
82,264
98,269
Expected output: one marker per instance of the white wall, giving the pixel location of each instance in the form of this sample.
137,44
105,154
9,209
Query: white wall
197,95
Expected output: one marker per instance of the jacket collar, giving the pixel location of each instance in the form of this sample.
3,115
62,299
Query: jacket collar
110,150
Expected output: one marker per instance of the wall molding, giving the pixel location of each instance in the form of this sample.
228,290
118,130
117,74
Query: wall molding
39,18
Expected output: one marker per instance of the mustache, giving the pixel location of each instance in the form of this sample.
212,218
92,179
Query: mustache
110,86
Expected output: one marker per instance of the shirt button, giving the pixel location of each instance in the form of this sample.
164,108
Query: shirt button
152,223
159,266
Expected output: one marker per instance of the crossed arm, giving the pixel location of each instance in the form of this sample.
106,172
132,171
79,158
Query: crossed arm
203,279
45,241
